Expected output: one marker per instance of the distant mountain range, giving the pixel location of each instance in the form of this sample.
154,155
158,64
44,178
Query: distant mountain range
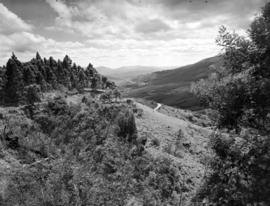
172,87
123,75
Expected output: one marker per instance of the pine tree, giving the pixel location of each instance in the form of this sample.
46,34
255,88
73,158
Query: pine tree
38,57
2,83
67,62
15,84
82,79
29,75
47,74
90,70
32,94
94,83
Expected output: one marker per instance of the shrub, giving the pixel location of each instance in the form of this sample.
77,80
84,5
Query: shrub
32,94
127,126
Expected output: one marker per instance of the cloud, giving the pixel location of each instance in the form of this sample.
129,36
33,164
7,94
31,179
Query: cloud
94,19
152,26
126,32
237,12
17,36
10,22
127,18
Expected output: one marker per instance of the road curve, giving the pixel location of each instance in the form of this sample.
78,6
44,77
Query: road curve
157,107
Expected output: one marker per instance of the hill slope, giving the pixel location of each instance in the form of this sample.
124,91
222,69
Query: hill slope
171,87
96,149
184,142
123,75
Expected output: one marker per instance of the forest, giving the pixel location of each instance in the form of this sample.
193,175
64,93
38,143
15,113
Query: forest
59,148
54,152
19,80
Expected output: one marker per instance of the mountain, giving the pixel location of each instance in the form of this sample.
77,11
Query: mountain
172,87
80,147
123,75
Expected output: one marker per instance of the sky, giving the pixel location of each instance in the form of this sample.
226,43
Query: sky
116,33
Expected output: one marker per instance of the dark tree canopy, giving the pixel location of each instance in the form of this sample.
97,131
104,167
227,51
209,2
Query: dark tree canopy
48,74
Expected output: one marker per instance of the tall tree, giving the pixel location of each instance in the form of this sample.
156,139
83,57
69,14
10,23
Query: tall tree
240,93
15,83
2,83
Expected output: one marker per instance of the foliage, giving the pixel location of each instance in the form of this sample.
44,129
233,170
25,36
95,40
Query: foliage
48,74
85,154
174,148
240,93
32,94
106,96
116,94
240,171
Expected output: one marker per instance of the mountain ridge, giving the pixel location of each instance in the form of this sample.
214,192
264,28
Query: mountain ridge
126,73
172,87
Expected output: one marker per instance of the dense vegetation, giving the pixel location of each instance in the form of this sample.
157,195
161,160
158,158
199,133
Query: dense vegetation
58,152
83,153
18,79
240,93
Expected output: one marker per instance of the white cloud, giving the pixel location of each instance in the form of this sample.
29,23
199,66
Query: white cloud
128,32
10,22
17,36
152,26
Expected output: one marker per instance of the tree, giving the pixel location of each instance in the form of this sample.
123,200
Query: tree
47,74
29,75
15,83
116,94
240,93
38,57
104,81
67,62
94,83
82,80
3,80
32,94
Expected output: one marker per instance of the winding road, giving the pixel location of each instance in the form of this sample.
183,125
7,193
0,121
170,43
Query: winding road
157,107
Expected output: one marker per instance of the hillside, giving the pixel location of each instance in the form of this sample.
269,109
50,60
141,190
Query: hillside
78,145
182,141
172,87
88,147
123,75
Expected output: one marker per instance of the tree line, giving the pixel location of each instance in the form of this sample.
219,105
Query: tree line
18,79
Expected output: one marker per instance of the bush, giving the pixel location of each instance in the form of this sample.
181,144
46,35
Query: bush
127,126
32,94
89,160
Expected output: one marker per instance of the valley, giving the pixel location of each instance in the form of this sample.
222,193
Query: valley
172,87
80,125
134,103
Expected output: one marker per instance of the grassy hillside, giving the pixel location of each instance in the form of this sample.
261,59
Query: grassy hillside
172,87
123,75
78,149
